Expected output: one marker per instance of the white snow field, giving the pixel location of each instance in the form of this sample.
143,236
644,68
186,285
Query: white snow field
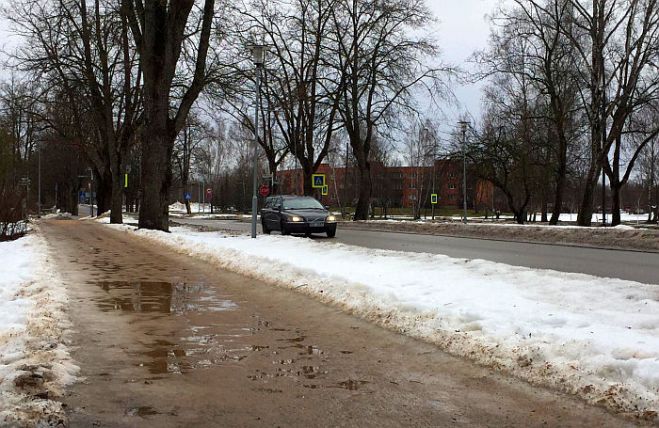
594,337
34,361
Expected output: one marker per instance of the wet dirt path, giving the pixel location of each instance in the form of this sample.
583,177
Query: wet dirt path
164,340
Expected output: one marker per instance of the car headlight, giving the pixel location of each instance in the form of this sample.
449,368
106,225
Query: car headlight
296,219
330,219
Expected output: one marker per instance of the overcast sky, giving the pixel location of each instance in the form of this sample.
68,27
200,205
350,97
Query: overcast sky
463,28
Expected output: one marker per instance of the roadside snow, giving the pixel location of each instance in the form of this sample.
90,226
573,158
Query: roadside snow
594,337
34,362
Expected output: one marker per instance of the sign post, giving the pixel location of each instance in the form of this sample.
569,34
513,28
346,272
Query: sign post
209,198
433,201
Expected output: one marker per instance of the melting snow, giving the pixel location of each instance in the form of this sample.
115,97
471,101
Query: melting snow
34,362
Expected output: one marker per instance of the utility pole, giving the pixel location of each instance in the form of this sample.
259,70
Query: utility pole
463,126
91,192
345,182
39,183
604,155
258,55
434,161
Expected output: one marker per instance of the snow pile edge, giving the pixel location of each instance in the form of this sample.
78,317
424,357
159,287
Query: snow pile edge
40,367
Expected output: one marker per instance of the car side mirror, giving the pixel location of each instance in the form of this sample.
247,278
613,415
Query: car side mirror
279,208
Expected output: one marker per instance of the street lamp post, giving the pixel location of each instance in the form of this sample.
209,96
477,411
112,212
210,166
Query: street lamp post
434,161
39,183
463,126
91,192
258,56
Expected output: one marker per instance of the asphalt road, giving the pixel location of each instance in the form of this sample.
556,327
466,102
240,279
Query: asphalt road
629,265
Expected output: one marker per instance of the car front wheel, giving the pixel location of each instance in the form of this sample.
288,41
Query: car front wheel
284,230
265,228
331,233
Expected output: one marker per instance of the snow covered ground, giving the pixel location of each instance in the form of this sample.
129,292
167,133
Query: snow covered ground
34,362
594,337
202,211
572,217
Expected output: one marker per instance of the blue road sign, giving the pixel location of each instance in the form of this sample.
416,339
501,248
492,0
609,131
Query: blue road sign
318,181
187,196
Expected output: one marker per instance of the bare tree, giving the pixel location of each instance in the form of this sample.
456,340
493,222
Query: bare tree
301,108
380,56
420,151
615,42
85,54
172,39
186,152
532,34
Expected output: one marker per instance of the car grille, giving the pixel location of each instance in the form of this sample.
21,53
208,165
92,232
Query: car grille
316,219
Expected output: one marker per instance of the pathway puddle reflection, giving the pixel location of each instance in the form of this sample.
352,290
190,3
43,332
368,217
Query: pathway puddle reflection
182,346
163,297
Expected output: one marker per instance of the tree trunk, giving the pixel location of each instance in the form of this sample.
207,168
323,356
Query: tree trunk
116,216
117,197
558,196
307,185
585,216
103,190
157,150
615,204
365,185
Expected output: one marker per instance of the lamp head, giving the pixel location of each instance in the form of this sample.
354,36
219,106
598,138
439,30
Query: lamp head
258,54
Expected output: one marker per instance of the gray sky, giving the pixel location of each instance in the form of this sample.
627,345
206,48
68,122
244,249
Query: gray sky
463,28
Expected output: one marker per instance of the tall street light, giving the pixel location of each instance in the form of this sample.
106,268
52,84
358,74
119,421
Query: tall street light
463,127
258,56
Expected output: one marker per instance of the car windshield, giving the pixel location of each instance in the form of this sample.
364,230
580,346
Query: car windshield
302,204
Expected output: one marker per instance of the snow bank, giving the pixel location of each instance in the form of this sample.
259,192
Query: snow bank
594,337
58,215
34,362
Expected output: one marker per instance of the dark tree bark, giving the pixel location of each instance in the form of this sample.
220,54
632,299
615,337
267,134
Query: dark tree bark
103,190
159,31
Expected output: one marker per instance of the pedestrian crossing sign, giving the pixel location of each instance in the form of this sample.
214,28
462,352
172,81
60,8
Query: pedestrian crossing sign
325,191
318,181
434,198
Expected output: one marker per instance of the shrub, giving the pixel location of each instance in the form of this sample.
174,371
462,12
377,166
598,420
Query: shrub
13,224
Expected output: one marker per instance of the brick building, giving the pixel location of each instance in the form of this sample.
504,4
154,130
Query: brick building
398,186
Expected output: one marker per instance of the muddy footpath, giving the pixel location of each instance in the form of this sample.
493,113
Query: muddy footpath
164,340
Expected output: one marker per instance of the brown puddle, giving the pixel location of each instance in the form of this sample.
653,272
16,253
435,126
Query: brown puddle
188,346
162,297
180,337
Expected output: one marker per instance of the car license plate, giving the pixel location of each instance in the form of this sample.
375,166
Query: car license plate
318,224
